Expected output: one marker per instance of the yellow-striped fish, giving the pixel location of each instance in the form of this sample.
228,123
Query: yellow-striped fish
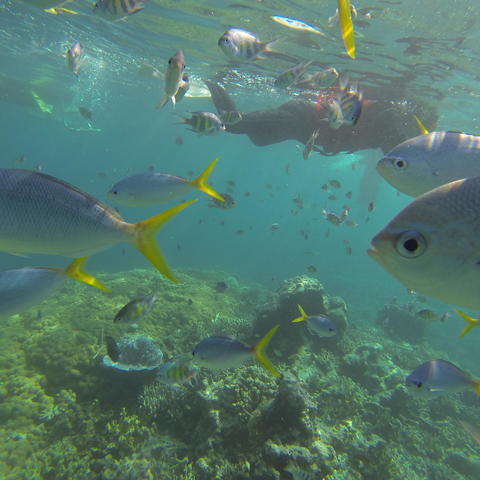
204,123
346,27
119,8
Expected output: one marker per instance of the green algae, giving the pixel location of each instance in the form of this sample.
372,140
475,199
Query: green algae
340,412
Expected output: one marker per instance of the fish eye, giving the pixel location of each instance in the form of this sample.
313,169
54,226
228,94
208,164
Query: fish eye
419,384
411,244
169,61
399,163
114,192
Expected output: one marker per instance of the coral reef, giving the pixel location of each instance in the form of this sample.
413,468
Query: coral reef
340,411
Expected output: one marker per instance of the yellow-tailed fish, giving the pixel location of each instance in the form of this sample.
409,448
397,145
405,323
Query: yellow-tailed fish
317,324
220,352
42,214
21,288
346,27
173,78
471,322
150,188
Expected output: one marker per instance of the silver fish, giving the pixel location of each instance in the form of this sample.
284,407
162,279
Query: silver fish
42,214
136,309
74,57
423,163
119,8
242,45
292,75
173,78
204,123
317,324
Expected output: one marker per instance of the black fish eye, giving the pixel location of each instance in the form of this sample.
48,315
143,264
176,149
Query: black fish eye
400,163
114,192
411,244
169,61
419,384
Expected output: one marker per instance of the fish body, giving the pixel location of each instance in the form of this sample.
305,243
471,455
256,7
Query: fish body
296,24
119,8
423,163
85,113
227,204
231,117
317,324
335,218
439,376
219,352
335,114
204,123
42,214
426,314
21,288
176,372
174,79
242,46
150,188
136,309
432,246
351,105
75,57
292,75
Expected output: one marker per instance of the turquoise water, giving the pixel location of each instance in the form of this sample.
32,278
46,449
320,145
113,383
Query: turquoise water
128,135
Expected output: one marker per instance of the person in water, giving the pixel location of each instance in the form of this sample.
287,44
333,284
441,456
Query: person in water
385,121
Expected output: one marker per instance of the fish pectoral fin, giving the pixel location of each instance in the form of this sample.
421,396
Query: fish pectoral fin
75,271
471,323
259,351
201,182
145,241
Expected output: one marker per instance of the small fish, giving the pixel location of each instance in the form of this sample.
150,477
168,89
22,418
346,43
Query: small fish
312,269
220,287
182,88
231,117
173,78
296,24
204,123
317,324
119,8
439,376
179,140
21,288
112,349
231,183
176,372
242,45
292,75
274,227
136,309
151,188
75,57
310,144
371,206
348,250
322,79
85,113
351,102
445,317
334,218
240,232
346,26
227,203
220,352
335,184
426,314
335,115
348,194
351,223
324,187
43,214
59,11
332,197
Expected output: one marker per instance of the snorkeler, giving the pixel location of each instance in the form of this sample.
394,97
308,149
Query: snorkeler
386,120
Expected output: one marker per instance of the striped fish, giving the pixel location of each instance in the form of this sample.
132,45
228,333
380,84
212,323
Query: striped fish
241,45
204,123
176,372
119,8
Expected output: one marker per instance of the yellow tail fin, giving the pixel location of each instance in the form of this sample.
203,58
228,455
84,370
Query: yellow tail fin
346,27
471,322
201,182
476,386
259,351
421,125
75,271
303,316
146,242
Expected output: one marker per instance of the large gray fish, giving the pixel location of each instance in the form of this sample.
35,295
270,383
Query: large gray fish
174,78
42,214
439,376
423,163
433,245
220,352
21,288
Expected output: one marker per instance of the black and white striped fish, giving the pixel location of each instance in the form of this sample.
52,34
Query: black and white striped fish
119,8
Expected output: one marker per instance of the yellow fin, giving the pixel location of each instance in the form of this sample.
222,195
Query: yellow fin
201,182
75,271
346,26
259,351
146,242
471,322
476,386
303,315
421,125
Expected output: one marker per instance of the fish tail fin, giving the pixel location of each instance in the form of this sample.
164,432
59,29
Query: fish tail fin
75,271
471,322
259,351
346,27
163,102
476,386
421,125
201,182
145,240
303,315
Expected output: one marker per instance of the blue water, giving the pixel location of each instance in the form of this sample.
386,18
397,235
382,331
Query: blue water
134,135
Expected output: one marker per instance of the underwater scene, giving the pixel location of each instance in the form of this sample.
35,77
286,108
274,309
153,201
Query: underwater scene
239,240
